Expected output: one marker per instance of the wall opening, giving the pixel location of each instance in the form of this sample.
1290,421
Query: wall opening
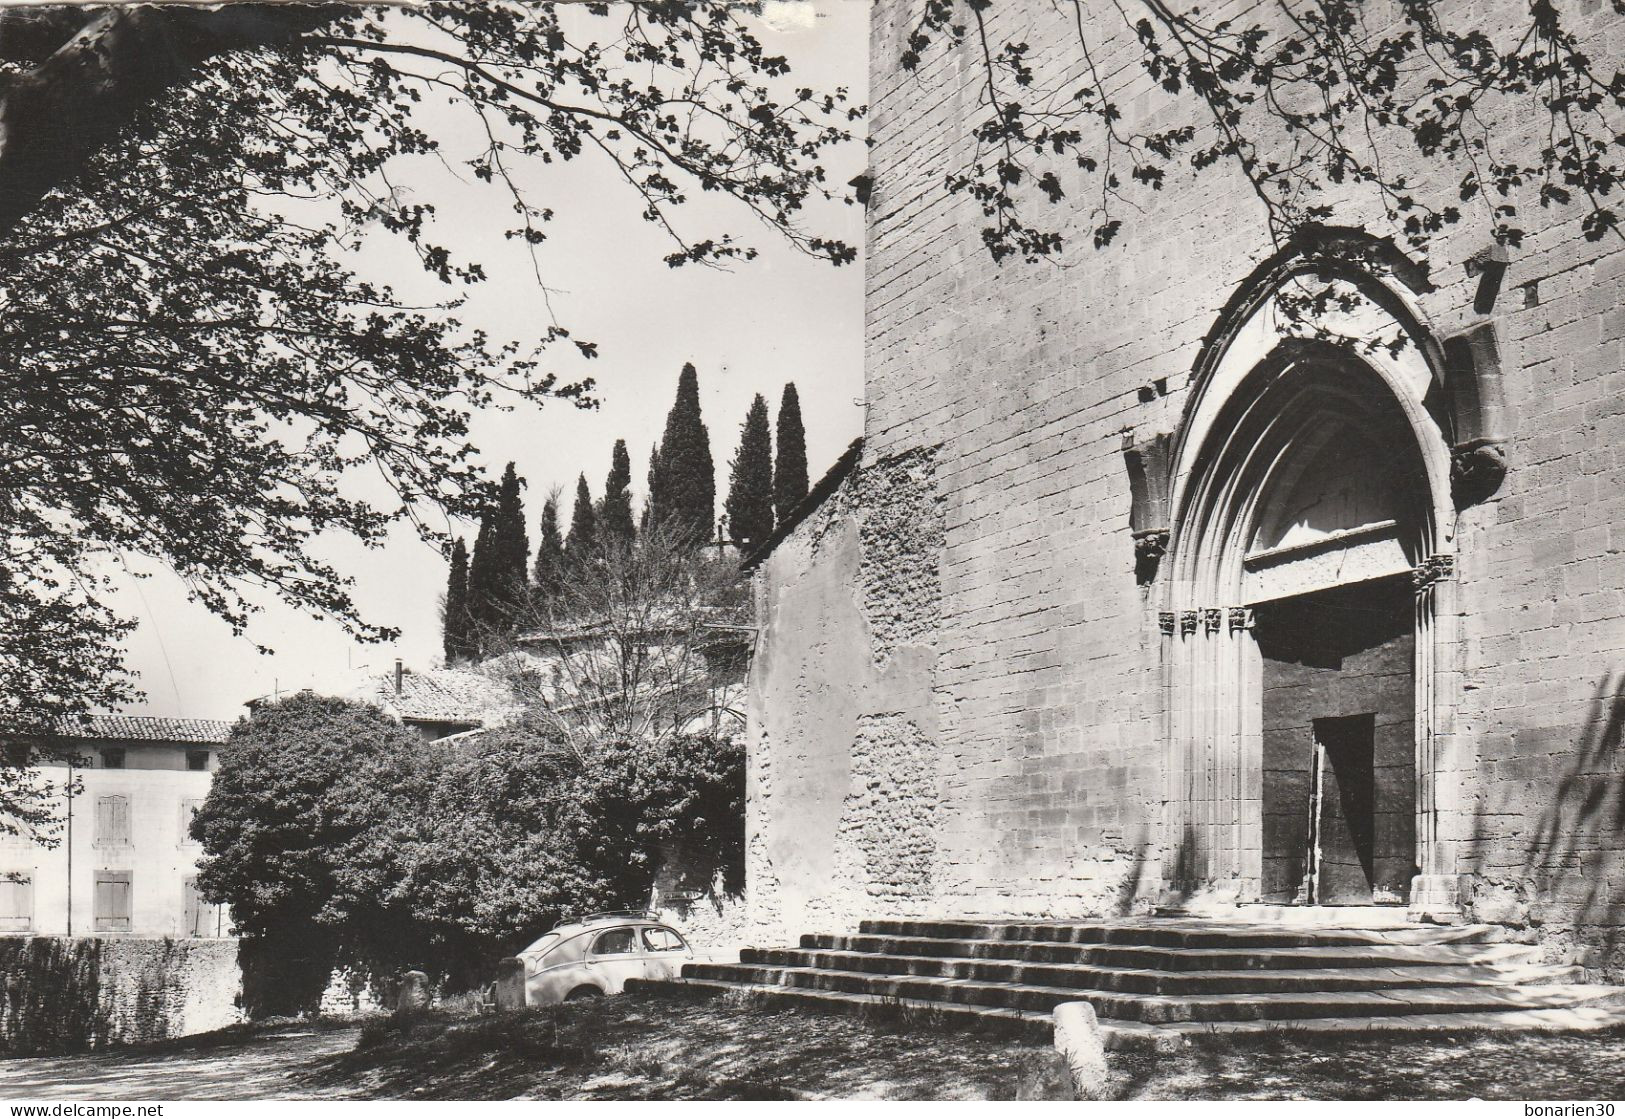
1339,745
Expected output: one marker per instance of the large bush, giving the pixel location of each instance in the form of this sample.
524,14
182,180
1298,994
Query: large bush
338,837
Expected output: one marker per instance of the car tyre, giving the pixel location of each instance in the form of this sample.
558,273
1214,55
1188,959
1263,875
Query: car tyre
584,992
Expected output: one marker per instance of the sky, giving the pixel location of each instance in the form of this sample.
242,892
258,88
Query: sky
783,317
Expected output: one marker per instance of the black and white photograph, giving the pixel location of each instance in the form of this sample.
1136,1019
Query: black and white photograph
812,550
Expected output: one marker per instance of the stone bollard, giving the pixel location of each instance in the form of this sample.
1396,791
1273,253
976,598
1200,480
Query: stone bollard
1079,1041
414,991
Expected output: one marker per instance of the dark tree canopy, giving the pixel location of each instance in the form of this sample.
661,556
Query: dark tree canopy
683,493
617,507
338,838
289,829
790,469
484,587
190,366
583,539
458,637
549,571
750,487
511,545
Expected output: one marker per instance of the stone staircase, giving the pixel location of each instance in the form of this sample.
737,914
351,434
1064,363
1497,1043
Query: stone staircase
1156,981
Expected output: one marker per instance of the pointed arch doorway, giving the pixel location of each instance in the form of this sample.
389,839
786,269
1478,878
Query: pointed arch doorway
1306,640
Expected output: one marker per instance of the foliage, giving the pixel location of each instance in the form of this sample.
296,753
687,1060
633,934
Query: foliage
454,622
750,487
190,368
616,511
1306,101
790,470
548,574
511,546
498,573
582,544
683,491
336,836
483,615
295,828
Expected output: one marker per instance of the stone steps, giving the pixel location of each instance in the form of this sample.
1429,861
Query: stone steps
1141,980
1119,1035
1180,958
1185,933
990,1019
1158,981
1156,1008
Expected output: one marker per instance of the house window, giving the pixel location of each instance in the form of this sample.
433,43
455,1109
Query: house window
112,820
16,902
190,807
113,757
202,917
197,760
112,901
16,755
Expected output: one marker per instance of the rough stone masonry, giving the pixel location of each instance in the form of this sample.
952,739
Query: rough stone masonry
1015,663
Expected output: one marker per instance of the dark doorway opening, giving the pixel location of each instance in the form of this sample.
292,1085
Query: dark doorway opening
1339,757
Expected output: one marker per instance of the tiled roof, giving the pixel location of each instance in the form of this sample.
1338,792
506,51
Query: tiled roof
446,695
147,728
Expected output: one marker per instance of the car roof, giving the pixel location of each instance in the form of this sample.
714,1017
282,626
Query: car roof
605,921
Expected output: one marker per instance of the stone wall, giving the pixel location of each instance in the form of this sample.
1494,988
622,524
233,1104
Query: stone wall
987,737
63,994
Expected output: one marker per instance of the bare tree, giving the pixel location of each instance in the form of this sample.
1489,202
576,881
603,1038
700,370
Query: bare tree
642,640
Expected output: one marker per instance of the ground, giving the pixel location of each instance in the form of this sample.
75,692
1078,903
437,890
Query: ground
636,1048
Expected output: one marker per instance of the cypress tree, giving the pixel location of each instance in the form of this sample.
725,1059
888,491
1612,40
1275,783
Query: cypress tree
484,609
583,527
750,486
687,494
617,508
652,496
455,622
510,550
790,471
549,553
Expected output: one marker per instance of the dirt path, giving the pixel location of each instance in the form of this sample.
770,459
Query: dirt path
274,1065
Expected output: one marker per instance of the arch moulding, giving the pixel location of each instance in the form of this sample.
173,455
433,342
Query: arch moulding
1293,391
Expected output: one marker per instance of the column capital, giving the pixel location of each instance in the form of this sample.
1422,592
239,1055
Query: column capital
1434,569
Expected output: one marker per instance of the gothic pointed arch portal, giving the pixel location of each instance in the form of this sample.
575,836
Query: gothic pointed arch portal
1307,604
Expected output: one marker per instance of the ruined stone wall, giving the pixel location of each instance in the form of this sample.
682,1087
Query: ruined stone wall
998,720
65,994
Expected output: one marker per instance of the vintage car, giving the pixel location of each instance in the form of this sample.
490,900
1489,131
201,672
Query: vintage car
591,957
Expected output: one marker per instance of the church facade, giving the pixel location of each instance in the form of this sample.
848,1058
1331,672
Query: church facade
1153,587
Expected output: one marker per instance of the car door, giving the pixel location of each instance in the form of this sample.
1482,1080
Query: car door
615,956
666,952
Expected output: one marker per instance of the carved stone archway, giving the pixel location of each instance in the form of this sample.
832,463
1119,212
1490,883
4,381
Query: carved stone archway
1280,407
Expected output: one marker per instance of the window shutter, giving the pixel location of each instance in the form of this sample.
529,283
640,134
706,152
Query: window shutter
113,901
16,904
193,908
113,819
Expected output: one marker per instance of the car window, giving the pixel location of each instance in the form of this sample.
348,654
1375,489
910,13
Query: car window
615,942
662,940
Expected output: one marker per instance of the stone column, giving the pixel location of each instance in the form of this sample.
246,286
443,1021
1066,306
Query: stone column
1437,891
